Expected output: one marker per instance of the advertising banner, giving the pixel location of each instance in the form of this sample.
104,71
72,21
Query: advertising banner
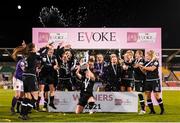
100,38
105,102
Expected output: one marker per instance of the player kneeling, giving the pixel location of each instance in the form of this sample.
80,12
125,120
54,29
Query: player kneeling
86,94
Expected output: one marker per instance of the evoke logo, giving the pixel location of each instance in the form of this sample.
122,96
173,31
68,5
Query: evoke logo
97,36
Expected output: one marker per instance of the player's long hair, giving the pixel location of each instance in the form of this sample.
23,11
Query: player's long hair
30,48
152,54
23,50
140,52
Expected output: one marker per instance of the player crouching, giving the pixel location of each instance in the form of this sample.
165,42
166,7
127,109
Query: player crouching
87,79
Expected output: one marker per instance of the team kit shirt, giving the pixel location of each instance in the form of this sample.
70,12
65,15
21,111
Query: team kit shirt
138,74
128,74
152,82
47,64
19,69
30,63
150,75
86,85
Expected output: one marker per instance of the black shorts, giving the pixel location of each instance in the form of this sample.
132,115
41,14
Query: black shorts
127,83
65,84
84,97
139,85
153,85
30,83
47,80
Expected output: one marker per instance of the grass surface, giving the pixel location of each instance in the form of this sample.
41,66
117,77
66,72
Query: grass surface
171,101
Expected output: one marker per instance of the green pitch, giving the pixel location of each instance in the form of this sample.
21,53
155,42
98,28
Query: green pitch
171,101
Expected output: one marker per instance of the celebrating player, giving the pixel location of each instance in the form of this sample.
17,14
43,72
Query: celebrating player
152,83
114,73
127,83
47,74
29,81
86,95
139,78
17,79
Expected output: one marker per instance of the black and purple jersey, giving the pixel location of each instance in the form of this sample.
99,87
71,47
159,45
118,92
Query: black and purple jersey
20,66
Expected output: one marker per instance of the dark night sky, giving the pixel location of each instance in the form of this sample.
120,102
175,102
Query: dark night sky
16,25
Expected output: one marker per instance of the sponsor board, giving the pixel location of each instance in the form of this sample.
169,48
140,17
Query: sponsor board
105,102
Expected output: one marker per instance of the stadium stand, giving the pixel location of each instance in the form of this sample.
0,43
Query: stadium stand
171,67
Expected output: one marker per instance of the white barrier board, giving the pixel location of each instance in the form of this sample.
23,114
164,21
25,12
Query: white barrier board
105,102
